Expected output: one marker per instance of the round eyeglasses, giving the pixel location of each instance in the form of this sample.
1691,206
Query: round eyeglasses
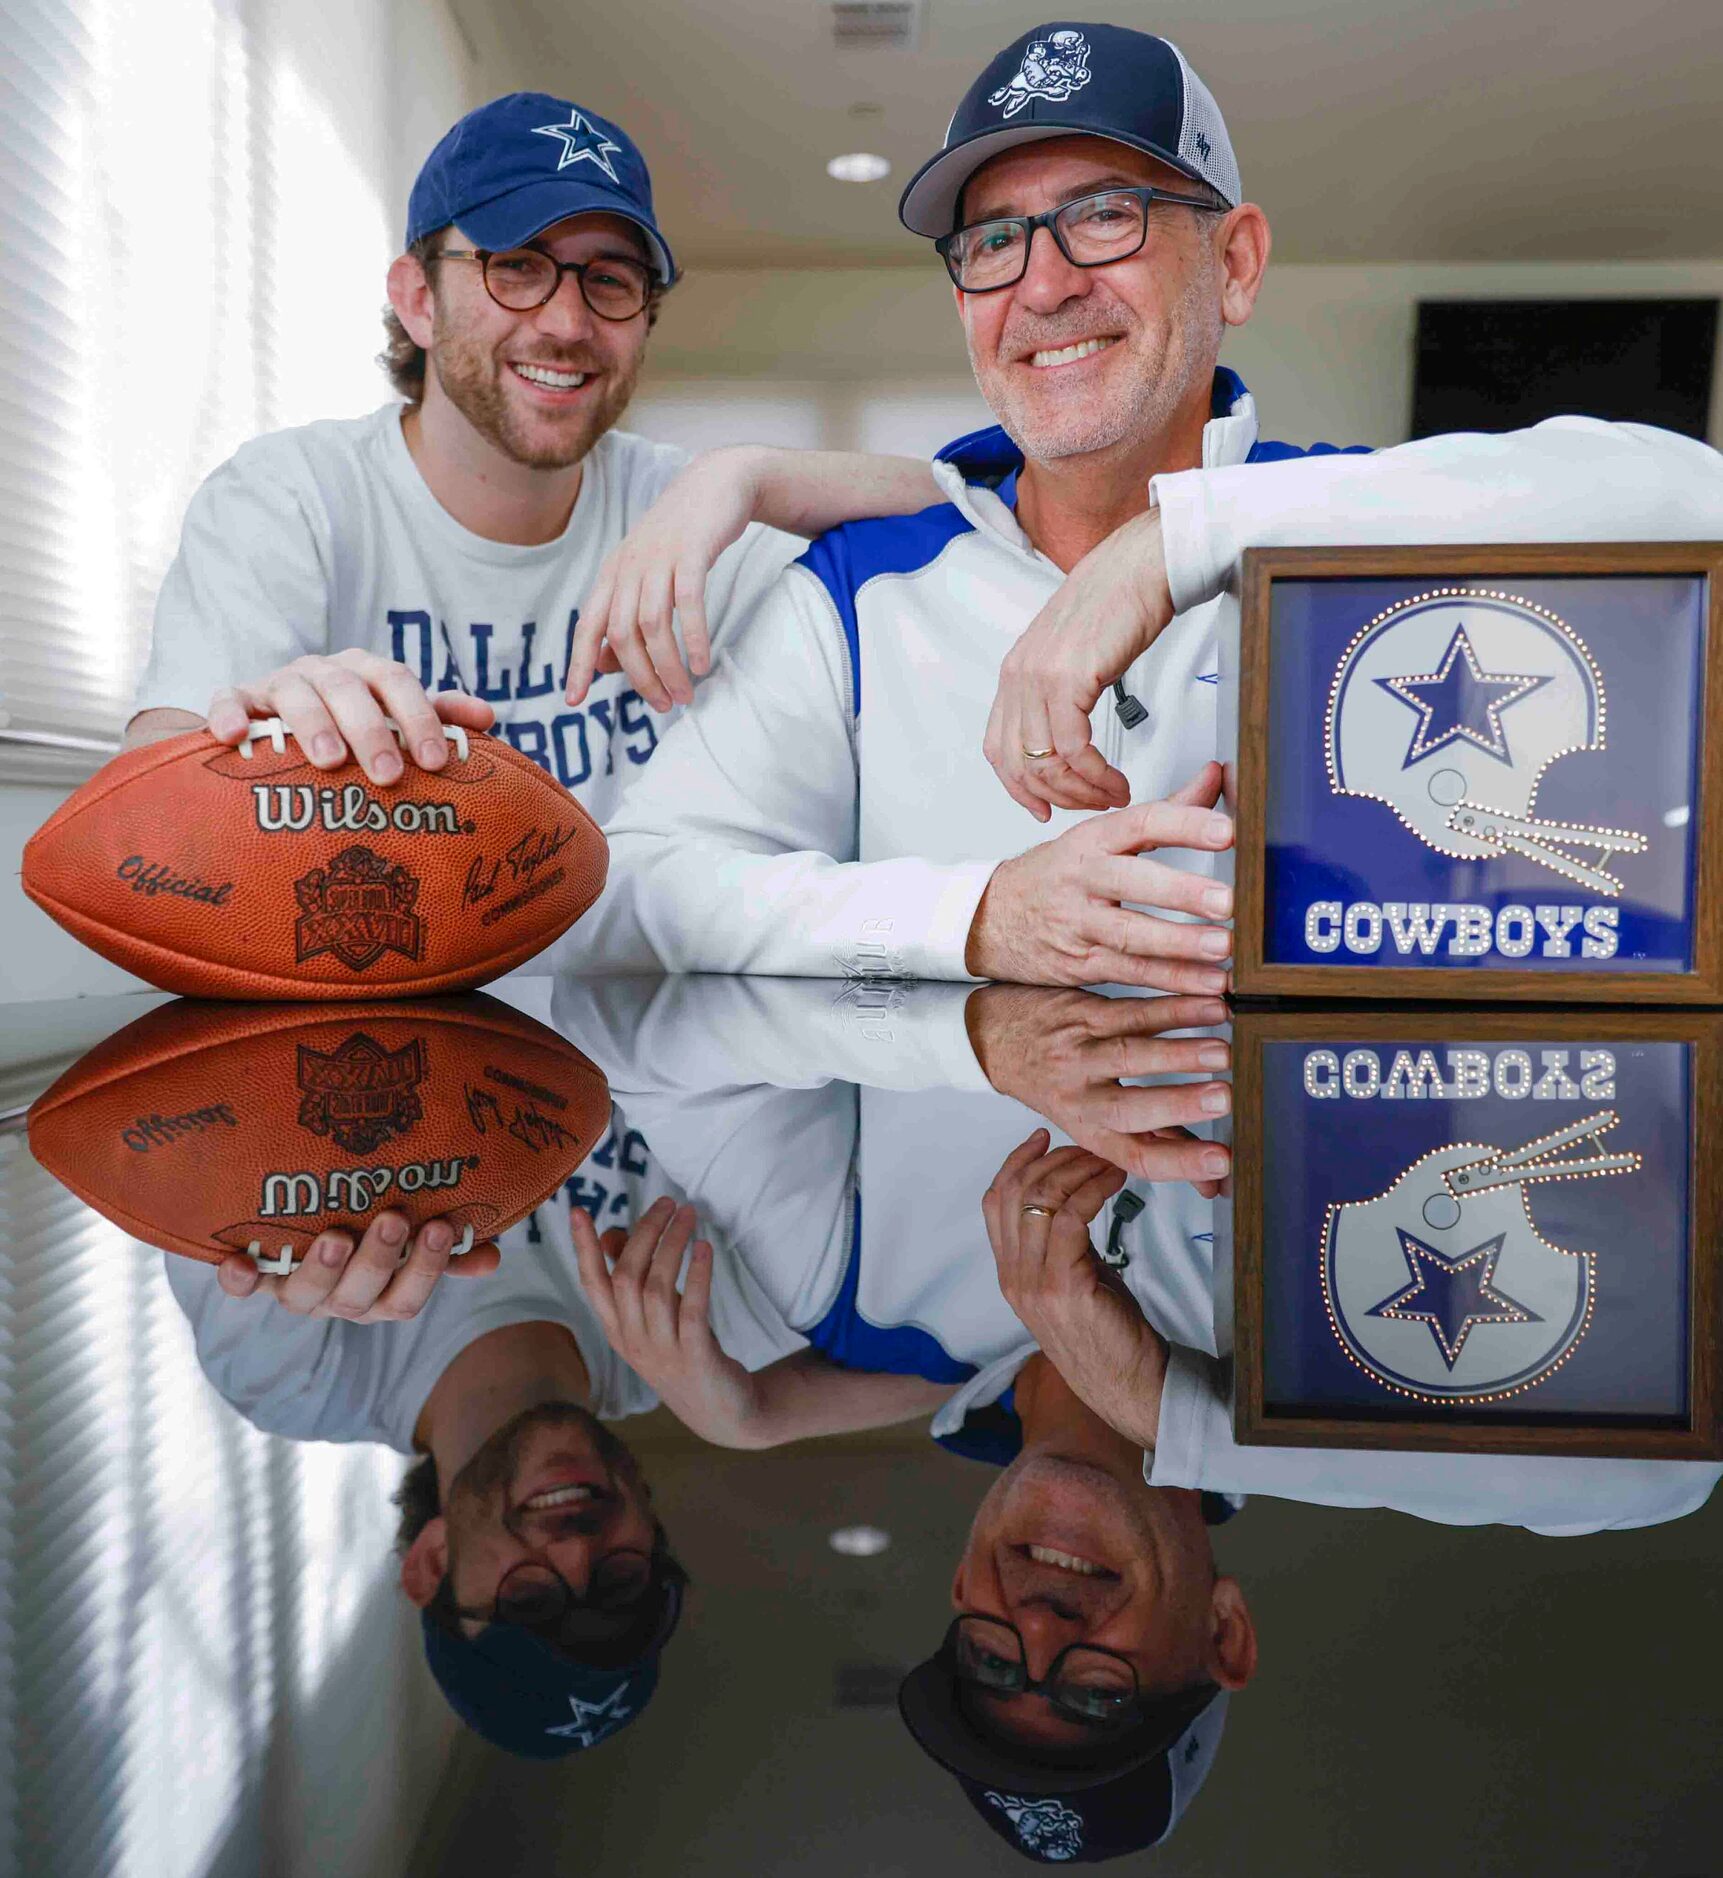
1092,231
520,279
631,1606
1083,1683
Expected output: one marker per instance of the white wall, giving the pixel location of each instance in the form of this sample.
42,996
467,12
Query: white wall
873,357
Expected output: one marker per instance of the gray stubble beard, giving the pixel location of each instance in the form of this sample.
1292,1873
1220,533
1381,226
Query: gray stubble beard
1153,398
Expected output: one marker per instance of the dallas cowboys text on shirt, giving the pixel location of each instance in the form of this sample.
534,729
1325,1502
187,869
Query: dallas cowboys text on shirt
572,744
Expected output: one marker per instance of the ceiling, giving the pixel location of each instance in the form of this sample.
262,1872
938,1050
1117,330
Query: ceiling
1432,130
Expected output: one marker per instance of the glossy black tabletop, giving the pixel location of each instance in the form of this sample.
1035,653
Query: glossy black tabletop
791,1458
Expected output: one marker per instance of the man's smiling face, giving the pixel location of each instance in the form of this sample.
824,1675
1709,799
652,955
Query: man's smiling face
542,386
552,1488
1075,360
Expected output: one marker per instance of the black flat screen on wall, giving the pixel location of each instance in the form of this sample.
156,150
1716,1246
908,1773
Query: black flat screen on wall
1499,364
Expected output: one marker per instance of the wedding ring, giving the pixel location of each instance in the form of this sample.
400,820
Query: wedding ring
1040,1212
1034,756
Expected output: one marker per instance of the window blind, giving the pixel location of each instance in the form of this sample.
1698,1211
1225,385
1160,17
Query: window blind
175,1586
192,245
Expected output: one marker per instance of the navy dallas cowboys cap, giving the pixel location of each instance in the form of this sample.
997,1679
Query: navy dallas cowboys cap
1071,78
515,166
1127,1797
520,1695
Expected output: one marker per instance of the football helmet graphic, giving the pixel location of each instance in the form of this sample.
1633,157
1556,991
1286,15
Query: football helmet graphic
1443,1289
1450,706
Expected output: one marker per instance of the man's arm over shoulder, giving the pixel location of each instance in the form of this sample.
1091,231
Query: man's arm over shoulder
1569,479
735,850
248,591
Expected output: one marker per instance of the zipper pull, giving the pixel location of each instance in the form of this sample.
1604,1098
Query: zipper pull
1130,712
1125,1209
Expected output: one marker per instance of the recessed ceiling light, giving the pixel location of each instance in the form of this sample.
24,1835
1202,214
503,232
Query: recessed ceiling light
859,1541
860,166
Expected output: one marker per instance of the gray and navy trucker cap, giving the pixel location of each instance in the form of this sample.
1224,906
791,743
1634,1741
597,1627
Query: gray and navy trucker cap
1070,78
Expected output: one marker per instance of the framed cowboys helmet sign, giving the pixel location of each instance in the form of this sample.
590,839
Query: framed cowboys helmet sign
1482,773
1488,1230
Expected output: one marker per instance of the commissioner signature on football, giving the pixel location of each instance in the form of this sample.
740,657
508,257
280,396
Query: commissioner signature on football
523,860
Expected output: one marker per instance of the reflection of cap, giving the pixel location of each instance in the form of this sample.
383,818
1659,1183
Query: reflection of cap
511,168
1068,79
1128,1796
521,1695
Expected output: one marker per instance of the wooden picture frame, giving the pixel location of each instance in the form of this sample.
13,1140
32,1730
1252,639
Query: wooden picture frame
1657,1074
1352,852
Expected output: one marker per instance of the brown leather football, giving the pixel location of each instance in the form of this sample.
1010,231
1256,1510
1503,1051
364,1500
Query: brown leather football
213,1128
245,872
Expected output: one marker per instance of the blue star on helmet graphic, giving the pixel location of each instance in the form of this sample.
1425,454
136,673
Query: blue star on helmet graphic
1454,1295
594,1720
581,143
1460,700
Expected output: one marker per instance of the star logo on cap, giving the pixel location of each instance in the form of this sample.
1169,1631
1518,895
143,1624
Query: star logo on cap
594,1720
581,143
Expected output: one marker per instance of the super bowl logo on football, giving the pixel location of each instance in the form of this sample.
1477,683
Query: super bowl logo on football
1498,770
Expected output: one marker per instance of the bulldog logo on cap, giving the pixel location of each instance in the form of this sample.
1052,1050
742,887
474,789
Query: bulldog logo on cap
1044,1827
1052,68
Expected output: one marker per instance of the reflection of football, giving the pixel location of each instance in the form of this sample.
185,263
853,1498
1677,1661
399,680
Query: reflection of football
247,873
209,1128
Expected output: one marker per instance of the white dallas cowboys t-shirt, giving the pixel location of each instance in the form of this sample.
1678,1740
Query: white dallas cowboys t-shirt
324,537
323,1379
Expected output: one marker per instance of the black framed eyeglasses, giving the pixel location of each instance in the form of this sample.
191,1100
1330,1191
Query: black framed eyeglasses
520,279
632,1605
1083,1682
1092,231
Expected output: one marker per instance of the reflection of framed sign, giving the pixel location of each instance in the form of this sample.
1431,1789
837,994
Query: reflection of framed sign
1484,1230
1482,773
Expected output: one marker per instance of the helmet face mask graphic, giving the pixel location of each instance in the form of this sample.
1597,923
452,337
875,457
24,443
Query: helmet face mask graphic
1442,1289
1449,707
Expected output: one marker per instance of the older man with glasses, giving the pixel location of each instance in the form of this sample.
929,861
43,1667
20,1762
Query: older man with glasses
828,808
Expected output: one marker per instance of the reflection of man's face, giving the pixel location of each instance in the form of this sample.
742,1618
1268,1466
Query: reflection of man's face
552,1487
1070,1554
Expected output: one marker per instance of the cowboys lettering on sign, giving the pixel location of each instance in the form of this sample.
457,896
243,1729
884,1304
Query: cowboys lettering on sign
1052,68
1443,1289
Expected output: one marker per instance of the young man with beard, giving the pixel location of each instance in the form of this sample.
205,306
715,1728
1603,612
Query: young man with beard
827,807
527,1534
455,561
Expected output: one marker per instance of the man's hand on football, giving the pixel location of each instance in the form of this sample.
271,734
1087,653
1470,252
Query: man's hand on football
1064,912
339,703
1079,1312
1070,1055
382,1278
1111,609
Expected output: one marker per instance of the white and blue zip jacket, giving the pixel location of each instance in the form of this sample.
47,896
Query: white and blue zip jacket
835,1141
824,808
